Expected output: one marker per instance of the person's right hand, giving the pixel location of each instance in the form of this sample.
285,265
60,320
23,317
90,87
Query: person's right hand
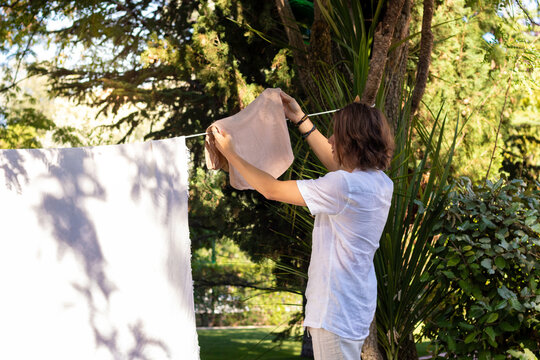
222,141
293,111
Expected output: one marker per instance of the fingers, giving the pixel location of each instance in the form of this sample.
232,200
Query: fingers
221,140
285,97
220,134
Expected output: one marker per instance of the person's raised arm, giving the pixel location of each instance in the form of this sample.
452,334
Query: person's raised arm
266,184
316,140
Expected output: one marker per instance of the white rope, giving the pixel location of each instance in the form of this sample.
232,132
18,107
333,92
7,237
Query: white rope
195,135
315,114
324,112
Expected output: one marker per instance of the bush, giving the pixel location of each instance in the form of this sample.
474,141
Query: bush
488,259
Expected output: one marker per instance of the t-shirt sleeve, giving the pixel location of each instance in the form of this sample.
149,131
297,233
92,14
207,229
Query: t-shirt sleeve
325,195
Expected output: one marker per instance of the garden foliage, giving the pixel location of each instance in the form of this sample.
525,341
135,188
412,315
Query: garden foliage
488,258
228,288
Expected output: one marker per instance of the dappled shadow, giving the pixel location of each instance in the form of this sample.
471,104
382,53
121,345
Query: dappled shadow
143,343
106,335
70,190
159,176
72,226
12,166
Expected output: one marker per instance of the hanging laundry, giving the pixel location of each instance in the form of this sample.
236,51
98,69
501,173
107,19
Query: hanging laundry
95,253
260,136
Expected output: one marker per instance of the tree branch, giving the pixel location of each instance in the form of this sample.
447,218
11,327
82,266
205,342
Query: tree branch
526,12
426,46
14,83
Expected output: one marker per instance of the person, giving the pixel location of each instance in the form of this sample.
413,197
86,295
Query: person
350,204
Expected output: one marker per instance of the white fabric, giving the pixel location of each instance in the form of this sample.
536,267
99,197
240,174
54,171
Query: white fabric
329,346
350,213
95,253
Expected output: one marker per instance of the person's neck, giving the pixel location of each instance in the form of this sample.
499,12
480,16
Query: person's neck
346,168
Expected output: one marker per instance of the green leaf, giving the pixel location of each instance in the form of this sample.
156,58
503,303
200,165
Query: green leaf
490,333
488,223
492,317
453,261
471,337
466,326
505,293
449,274
506,326
530,220
484,355
486,263
525,292
500,262
476,311
501,305
469,253
501,234
426,276
525,355
466,286
514,302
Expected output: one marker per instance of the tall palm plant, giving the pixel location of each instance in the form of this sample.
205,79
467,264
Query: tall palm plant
403,260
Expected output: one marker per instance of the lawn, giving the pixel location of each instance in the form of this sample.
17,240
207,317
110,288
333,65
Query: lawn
251,344
245,344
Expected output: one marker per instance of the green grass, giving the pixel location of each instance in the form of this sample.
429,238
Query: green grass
251,344
245,344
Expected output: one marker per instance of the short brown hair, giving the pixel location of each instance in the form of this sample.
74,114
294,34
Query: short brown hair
363,139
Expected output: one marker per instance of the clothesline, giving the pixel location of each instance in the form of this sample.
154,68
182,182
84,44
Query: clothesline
314,114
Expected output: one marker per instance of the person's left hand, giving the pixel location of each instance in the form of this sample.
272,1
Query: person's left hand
223,141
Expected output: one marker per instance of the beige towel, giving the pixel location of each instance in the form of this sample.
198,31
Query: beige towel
260,136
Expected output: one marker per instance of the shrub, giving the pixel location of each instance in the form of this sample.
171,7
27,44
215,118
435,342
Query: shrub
488,259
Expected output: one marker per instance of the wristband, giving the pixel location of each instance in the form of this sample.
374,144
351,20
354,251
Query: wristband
304,118
305,135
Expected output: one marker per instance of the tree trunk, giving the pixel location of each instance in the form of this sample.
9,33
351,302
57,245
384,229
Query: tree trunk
320,50
296,41
396,66
426,46
370,350
407,351
309,60
381,43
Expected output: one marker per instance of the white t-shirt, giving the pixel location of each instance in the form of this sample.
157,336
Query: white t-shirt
350,213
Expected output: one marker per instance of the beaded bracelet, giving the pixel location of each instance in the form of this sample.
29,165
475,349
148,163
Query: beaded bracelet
304,118
305,135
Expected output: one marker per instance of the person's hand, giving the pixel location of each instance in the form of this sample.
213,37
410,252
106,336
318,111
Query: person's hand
223,141
293,111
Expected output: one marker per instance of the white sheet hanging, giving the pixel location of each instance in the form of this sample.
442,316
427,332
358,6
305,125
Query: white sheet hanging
95,253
